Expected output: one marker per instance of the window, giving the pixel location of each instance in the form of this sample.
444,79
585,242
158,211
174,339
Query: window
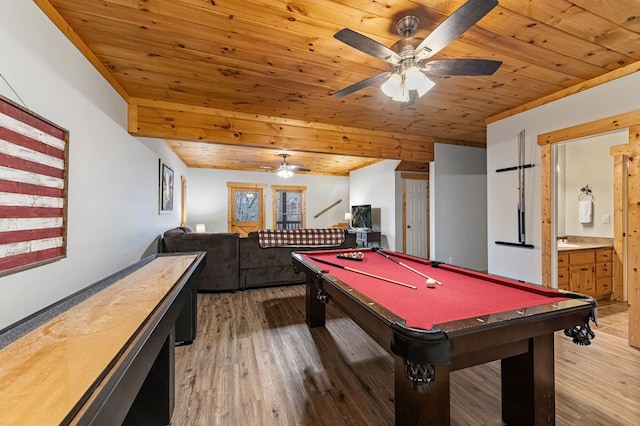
289,209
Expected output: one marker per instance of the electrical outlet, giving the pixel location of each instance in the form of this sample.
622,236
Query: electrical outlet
450,260
606,218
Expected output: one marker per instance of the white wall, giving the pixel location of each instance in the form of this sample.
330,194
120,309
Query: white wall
458,206
377,185
207,196
615,97
113,215
588,162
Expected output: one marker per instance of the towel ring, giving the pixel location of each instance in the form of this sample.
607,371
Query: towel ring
582,197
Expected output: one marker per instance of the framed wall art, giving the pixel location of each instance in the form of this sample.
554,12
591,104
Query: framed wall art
166,188
33,189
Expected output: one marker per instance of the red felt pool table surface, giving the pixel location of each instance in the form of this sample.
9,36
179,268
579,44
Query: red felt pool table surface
463,293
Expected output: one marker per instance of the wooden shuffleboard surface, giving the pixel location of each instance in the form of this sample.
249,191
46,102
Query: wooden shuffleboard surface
47,374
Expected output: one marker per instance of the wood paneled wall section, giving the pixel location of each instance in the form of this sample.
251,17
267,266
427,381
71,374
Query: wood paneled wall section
630,120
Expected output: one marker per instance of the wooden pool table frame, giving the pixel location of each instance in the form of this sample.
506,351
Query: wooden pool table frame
523,343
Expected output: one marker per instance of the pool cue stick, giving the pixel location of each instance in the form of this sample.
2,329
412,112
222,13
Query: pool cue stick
406,266
521,188
363,273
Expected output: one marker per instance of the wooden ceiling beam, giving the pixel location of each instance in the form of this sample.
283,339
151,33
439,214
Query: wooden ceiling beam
167,120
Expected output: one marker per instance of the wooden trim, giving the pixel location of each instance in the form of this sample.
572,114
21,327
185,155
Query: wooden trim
619,150
580,87
132,118
619,213
633,236
617,122
416,176
546,214
183,200
288,187
246,185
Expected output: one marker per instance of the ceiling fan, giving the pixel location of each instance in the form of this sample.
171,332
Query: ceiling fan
409,56
285,170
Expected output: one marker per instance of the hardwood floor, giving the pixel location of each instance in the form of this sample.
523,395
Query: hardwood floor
255,362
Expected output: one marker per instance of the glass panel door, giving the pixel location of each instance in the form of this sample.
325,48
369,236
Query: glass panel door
246,208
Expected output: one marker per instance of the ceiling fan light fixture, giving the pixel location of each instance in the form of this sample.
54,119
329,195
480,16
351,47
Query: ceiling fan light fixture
393,86
284,172
425,86
413,78
402,95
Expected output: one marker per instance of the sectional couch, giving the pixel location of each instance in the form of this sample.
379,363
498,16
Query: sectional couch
239,263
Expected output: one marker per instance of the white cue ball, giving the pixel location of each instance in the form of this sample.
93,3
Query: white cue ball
431,283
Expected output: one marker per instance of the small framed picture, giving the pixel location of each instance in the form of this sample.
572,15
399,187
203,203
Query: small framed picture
166,188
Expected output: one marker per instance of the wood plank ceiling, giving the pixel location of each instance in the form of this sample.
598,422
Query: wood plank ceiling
232,83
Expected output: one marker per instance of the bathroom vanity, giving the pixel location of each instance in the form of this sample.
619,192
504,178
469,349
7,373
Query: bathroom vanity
586,267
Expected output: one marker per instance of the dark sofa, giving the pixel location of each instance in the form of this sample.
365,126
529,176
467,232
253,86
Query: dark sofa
220,272
263,267
236,263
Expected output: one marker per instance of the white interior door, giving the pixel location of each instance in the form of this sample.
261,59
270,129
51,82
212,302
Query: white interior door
416,217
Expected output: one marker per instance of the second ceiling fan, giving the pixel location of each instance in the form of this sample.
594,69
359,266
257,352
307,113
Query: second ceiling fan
408,58
285,170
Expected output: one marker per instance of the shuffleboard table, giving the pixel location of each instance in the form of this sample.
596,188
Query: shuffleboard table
103,356
436,318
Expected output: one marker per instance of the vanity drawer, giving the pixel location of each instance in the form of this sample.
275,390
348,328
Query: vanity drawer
563,278
604,255
603,269
582,257
563,260
604,285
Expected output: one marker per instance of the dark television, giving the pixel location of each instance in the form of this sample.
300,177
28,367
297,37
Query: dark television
361,217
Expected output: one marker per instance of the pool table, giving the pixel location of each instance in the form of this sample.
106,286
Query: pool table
465,318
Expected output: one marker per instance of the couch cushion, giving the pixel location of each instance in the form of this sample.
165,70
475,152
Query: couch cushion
180,229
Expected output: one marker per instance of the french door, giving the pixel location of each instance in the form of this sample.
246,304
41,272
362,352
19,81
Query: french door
246,207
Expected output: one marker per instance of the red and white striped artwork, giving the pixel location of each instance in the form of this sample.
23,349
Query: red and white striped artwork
33,189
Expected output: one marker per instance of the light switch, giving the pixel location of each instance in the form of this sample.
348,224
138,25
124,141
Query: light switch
606,218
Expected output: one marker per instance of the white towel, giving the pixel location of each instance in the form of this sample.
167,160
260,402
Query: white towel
585,211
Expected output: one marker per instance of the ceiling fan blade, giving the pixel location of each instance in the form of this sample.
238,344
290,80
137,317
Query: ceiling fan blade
298,168
461,67
455,25
413,95
367,45
361,85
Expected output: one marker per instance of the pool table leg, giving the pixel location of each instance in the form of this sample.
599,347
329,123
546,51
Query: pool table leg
528,385
316,310
414,408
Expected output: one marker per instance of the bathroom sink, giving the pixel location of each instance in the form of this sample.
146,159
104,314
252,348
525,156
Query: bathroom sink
568,245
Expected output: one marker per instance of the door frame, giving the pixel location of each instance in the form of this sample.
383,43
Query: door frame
235,186
415,176
626,204
303,202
